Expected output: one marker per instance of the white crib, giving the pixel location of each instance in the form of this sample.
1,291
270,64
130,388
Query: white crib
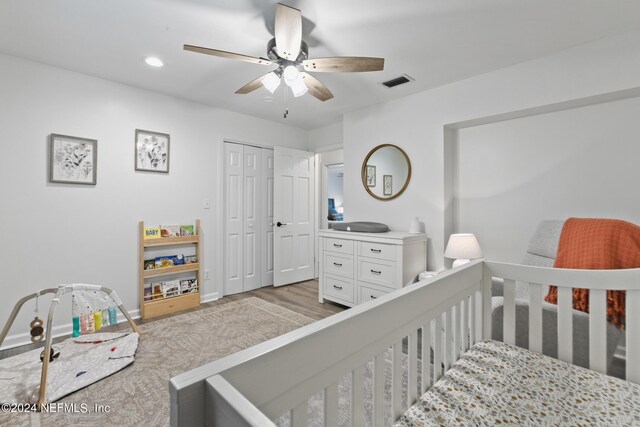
258,385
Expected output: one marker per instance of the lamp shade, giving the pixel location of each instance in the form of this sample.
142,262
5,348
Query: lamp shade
463,246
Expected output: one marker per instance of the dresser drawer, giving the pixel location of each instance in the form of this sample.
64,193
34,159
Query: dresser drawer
341,289
378,250
368,294
378,273
338,245
340,265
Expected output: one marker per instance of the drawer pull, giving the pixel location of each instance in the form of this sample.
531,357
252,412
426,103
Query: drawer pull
337,264
376,251
376,271
337,245
338,287
372,297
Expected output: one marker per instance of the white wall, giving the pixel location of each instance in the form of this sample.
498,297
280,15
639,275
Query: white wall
54,233
417,124
326,138
581,162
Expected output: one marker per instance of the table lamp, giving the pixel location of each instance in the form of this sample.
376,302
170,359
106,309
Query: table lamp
463,247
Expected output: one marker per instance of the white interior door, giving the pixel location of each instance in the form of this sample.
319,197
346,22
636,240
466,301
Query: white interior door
267,223
253,219
294,216
248,218
233,219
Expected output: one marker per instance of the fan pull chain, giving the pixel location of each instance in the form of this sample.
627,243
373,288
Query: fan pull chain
284,97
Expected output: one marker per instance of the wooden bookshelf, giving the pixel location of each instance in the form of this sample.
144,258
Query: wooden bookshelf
167,271
168,241
162,306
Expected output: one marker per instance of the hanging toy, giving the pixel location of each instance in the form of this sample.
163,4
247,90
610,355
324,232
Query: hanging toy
37,326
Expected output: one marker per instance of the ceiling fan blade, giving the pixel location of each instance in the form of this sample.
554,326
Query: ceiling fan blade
288,31
251,86
316,88
225,54
345,64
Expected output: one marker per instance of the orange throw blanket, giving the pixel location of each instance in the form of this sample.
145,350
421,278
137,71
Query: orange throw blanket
597,244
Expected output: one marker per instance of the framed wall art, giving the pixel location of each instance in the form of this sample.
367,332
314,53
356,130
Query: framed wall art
371,176
152,151
73,160
387,185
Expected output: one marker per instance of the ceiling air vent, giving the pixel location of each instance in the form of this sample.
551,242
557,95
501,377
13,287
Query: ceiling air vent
398,81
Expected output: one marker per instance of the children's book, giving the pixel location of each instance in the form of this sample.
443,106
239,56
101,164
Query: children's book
188,285
171,288
164,261
156,289
152,233
170,230
186,230
147,291
149,264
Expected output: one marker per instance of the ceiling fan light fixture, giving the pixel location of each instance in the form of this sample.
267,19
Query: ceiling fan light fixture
290,74
298,87
271,81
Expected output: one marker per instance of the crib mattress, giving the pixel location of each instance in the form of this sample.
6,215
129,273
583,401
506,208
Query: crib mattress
498,384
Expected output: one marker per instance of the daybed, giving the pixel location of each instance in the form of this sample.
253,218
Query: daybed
285,375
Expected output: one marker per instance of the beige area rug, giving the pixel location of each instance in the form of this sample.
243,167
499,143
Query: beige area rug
139,394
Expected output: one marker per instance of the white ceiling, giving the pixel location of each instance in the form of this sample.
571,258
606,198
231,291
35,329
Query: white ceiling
436,42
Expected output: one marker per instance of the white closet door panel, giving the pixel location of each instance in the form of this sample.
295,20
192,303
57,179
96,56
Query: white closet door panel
252,226
294,210
233,219
267,217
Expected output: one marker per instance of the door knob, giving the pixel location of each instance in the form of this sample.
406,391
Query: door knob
280,224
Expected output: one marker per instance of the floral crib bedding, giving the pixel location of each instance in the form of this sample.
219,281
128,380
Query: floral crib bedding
499,384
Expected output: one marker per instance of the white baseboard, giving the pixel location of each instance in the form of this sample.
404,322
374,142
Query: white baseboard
17,340
213,296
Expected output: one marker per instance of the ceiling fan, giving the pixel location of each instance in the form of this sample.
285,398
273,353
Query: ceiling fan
291,54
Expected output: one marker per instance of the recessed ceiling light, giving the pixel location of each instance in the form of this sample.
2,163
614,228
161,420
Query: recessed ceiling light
153,61
268,98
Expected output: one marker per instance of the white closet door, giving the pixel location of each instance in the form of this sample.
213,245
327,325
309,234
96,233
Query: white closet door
294,215
267,215
233,219
252,217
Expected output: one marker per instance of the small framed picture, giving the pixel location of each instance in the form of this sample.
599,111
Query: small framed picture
387,185
371,176
73,160
152,151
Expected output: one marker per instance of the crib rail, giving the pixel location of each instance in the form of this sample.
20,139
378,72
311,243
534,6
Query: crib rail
391,335
402,342
598,282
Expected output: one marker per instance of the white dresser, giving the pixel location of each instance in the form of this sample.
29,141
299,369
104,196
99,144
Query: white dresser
359,267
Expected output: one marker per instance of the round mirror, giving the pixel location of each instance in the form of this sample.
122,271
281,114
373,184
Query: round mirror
386,172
